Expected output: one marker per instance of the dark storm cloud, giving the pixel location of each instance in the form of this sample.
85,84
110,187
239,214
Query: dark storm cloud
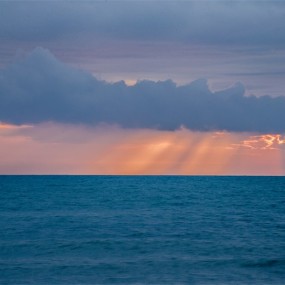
39,88
214,22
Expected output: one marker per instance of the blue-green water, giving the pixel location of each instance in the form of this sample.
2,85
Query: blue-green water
142,230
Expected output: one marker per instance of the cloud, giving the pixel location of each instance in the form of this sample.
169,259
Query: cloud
267,141
39,88
214,22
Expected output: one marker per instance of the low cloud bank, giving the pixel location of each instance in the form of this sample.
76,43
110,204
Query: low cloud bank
40,88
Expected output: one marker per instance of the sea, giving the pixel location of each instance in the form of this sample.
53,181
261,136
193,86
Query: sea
142,230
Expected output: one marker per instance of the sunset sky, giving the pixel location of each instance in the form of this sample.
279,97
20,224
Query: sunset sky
142,87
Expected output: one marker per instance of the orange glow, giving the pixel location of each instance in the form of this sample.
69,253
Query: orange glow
267,141
54,148
4,126
185,152
130,82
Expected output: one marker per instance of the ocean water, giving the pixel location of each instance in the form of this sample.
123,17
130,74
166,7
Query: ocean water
142,230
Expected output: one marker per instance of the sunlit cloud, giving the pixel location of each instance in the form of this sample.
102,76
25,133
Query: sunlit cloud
263,142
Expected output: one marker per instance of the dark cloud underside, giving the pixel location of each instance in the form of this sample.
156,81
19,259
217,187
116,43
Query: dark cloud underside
39,88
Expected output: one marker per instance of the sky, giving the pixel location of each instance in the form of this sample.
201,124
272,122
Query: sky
142,87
